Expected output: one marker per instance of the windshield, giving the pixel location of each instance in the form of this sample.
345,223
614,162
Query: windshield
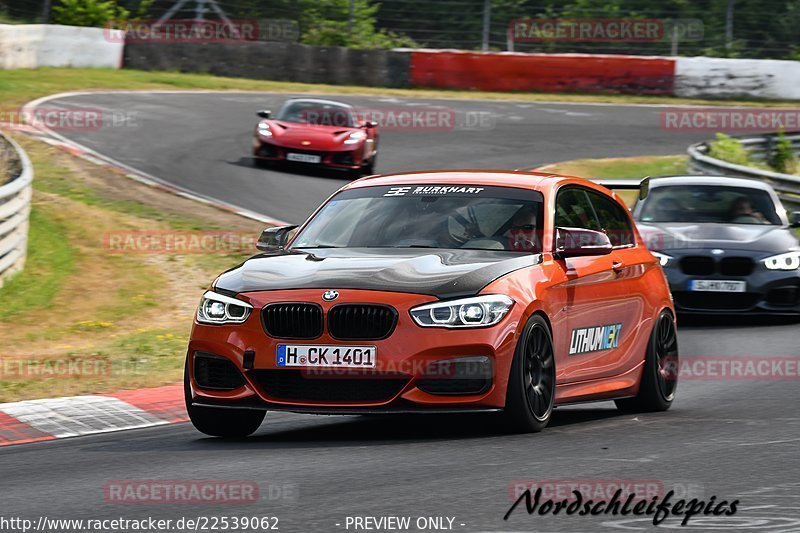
708,203
317,113
429,216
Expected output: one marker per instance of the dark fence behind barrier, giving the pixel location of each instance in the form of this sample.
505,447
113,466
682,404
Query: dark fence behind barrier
275,61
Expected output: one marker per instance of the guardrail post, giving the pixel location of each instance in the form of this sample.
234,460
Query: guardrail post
15,201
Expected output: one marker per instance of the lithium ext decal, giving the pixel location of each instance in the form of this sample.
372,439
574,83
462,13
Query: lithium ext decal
595,339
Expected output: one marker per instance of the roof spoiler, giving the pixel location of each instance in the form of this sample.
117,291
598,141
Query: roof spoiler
642,186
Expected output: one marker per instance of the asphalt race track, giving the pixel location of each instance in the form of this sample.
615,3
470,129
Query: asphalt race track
733,439
201,142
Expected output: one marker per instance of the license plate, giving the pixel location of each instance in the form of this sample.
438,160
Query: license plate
303,158
707,285
327,356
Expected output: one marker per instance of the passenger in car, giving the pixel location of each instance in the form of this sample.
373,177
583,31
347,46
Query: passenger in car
742,212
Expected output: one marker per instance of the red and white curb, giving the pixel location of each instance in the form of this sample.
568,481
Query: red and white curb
57,418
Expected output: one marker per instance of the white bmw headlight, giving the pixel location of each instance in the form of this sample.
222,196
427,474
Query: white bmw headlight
479,311
355,137
664,259
787,261
220,309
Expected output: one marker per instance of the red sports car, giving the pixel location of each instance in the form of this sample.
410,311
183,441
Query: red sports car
318,133
462,291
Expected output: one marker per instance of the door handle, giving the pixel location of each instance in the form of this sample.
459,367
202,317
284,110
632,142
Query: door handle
617,267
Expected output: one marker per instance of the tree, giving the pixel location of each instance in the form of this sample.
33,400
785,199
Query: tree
327,23
89,12
783,159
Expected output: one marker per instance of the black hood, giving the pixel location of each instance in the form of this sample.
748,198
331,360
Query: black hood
664,236
440,273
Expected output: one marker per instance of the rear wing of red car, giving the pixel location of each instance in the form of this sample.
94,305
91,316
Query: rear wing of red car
642,186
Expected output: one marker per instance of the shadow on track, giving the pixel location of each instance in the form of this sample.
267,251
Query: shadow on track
393,429
295,169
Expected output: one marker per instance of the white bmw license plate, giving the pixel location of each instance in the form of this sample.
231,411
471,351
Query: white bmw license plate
303,158
326,356
708,285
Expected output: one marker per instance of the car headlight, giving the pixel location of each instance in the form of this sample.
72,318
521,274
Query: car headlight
787,261
475,312
264,131
355,137
664,259
220,309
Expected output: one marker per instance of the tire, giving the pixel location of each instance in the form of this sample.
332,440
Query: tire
369,168
660,375
226,423
530,397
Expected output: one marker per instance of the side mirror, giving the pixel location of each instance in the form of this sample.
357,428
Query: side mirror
265,113
370,124
794,220
274,239
577,242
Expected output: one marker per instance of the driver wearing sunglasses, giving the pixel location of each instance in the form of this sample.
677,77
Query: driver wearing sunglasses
522,234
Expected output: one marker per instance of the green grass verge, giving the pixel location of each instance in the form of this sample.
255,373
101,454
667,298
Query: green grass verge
50,260
145,358
623,167
52,177
76,300
18,87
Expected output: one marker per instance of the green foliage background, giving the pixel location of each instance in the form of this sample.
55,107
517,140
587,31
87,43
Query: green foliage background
761,28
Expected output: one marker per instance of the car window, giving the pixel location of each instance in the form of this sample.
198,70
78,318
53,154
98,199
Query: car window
574,210
708,203
446,216
614,220
317,114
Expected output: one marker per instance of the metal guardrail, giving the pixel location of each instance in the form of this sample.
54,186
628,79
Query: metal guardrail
787,186
15,205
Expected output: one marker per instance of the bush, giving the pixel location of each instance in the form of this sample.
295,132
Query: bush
89,12
325,23
783,159
729,149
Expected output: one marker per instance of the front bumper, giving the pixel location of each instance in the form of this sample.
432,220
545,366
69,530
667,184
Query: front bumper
345,159
768,292
417,369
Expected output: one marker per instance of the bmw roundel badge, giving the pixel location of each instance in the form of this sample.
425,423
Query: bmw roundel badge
329,296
